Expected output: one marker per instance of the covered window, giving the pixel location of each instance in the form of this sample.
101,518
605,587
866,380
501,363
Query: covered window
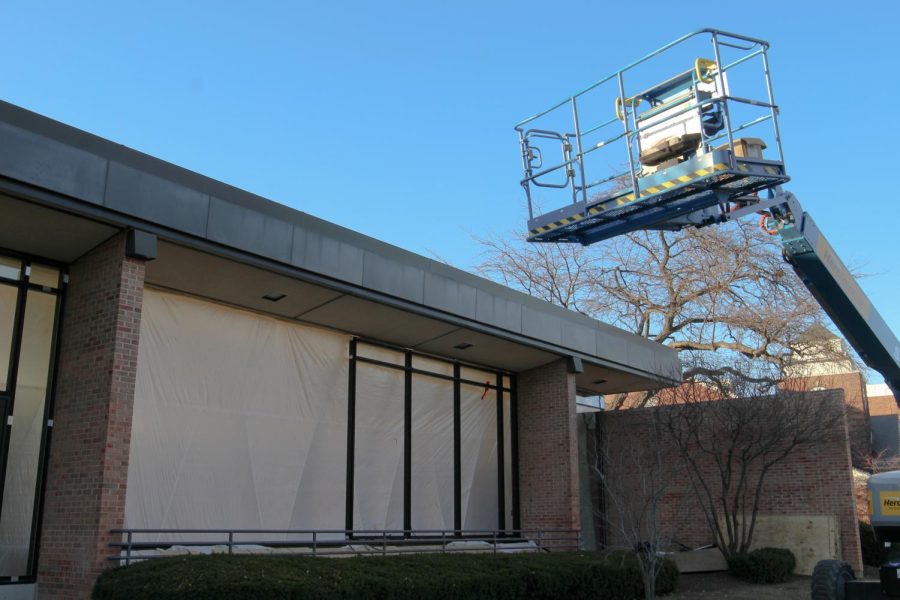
247,421
29,313
435,438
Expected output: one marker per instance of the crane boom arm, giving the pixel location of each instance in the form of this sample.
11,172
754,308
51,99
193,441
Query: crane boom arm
688,168
837,291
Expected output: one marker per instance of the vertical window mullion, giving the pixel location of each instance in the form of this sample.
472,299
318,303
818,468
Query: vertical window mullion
514,449
407,445
501,466
457,452
351,437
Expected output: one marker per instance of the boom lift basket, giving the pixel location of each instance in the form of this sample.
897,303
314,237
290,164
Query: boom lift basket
685,164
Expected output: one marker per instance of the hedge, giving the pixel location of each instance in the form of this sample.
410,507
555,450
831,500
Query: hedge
765,565
571,575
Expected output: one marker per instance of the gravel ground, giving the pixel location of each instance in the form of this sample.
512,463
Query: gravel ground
710,586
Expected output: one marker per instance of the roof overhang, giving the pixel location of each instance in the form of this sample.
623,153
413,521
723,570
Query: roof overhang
63,191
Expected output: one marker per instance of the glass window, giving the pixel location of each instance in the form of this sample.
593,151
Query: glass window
440,367
478,375
8,296
387,355
378,457
478,448
431,495
589,403
25,437
44,275
10,268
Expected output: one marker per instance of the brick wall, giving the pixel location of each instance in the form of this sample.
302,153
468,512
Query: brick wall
88,463
882,405
548,448
854,388
884,419
816,480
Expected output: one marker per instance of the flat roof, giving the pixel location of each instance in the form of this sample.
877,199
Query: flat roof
57,166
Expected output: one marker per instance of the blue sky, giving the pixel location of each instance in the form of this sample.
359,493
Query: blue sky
395,118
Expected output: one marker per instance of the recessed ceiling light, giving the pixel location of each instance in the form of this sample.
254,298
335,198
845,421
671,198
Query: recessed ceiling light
463,346
599,381
273,297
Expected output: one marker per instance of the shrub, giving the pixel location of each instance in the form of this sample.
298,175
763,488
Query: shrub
575,575
764,565
666,578
873,552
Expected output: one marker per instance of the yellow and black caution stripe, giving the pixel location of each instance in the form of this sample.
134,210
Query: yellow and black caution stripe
628,198
768,169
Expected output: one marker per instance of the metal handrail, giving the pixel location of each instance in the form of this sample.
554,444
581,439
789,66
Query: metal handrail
756,42
379,542
636,131
753,46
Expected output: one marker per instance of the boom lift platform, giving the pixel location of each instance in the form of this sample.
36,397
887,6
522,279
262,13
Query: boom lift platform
678,139
686,167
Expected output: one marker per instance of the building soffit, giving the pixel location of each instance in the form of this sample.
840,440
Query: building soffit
115,187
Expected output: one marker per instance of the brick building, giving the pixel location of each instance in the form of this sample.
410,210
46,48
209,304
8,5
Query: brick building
177,353
822,362
853,386
812,487
815,486
872,413
884,421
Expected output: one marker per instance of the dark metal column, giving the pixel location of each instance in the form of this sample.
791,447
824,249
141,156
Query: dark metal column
501,458
407,446
514,448
457,453
351,435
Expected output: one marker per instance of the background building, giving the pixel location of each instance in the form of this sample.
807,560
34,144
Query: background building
824,362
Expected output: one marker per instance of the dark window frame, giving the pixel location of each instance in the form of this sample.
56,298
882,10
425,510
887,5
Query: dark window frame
24,285
457,380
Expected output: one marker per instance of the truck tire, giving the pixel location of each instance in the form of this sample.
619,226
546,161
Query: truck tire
829,579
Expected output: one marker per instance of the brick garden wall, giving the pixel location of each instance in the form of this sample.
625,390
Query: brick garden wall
88,462
854,388
813,481
548,448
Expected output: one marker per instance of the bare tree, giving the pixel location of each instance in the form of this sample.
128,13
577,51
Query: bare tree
731,432
723,289
634,481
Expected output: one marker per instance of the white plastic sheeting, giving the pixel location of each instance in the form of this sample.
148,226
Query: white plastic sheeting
379,446
431,495
378,456
8,296
508,461
478,436
25,437
239,420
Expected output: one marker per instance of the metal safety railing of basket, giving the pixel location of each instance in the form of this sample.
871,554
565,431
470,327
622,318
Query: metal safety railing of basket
145,544
577,143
